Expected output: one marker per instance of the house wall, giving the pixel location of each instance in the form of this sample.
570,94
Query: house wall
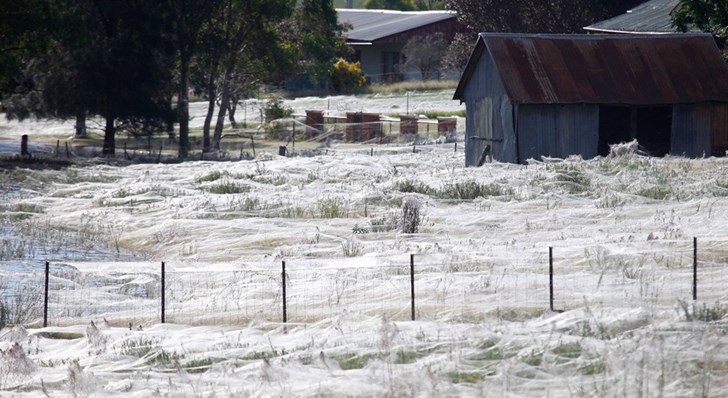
489,115
557,131
372,59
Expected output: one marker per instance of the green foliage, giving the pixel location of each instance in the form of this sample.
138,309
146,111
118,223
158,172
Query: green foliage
275,109
405,357
568,350
404,87
413,186
331,207
229,187
318,39
467,190
214,176
411,217
459,377
347,77
706,15
401,5
703,313
471,189
354,361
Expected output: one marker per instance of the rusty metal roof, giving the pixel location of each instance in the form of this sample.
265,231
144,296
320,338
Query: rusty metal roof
604,69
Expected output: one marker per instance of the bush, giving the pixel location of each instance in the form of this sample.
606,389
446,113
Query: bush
347,77
411,216
275,109
703,312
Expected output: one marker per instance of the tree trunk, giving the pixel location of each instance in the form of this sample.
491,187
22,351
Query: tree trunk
81,124
212,96
224,102
109,133
231,112
183,106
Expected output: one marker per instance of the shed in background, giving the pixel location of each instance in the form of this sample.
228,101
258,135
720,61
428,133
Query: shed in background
533,96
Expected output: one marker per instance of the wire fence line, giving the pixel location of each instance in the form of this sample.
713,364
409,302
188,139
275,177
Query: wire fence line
425,287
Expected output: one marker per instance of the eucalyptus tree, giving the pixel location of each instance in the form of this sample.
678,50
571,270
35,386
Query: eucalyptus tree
24,34
236,34
188,19
706,15
101,57
127,62
315,38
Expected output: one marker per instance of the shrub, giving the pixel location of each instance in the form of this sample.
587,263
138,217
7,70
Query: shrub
413,186
275,109
331,208
470,190
229,187
411,216
351,247
347,77
703,312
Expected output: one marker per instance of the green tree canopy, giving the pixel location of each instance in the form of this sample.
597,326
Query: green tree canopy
707,15
401,5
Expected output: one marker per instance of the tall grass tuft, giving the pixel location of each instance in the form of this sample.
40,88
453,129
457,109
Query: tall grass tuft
411,216
703,313
331,207
229,187
471,190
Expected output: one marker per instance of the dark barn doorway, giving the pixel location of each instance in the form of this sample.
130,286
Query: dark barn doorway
651,126
614,126
654,126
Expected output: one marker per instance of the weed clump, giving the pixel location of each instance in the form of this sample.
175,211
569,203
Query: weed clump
411,216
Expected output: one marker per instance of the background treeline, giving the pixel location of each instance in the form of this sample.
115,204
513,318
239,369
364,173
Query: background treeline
133,63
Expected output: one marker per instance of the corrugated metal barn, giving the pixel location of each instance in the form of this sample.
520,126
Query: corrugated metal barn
530,96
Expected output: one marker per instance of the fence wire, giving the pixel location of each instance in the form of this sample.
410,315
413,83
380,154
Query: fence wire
659,273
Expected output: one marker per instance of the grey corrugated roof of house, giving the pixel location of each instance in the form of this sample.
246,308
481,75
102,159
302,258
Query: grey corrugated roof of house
604,69
371,25
654,16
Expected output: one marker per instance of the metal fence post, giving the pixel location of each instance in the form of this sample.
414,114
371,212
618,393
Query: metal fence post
412,283
695,269
162,290
45,295
551,278
283,277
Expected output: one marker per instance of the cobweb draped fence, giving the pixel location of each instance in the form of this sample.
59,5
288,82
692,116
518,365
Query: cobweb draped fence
401,288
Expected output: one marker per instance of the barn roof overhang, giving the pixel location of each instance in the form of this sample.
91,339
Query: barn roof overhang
372,26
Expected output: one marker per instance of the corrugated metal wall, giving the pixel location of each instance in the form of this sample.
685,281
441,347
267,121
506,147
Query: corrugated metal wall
719,129
489,115
558,131
690,130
